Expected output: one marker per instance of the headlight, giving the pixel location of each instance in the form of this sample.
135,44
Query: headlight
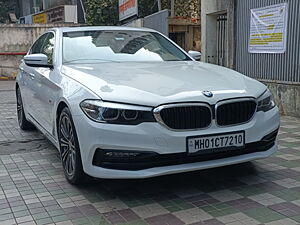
116,113
266,102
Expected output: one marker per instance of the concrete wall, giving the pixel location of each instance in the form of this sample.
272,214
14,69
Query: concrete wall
17,39
287,97
210,9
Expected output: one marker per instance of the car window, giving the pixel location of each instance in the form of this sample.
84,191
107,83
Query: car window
37,46
48,47
119,45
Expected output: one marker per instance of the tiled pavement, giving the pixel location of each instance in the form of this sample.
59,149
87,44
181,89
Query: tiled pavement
33,189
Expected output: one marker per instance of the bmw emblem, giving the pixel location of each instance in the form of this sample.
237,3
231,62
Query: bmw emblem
208,94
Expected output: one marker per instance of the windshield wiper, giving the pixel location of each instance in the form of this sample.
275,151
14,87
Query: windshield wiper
75,60
174,60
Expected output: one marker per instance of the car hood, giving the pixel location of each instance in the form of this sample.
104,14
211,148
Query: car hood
156,83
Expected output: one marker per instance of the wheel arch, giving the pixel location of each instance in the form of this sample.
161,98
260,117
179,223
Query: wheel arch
61,105
16,87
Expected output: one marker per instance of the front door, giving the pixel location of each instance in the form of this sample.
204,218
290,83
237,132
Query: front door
45,89
29,77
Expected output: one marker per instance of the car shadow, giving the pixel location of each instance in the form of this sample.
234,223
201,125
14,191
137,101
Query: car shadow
167,187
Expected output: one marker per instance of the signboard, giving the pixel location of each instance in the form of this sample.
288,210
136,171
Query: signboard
127,8
268,29
40,18
56,15
60,14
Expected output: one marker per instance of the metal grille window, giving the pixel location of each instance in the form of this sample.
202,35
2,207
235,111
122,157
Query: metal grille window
221,39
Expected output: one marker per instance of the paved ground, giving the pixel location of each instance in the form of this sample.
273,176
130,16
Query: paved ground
33,189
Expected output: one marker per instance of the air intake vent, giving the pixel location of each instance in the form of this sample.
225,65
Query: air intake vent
235,113
185,117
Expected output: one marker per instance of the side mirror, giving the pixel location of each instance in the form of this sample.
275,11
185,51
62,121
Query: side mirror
36,60
195,55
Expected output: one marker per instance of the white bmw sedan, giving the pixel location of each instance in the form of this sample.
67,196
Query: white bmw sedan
123,102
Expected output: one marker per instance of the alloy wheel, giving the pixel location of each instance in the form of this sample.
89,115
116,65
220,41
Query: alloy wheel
67,146
19,107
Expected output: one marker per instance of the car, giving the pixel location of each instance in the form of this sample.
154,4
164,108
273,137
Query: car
128,103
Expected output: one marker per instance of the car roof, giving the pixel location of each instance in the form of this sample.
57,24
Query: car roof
90,28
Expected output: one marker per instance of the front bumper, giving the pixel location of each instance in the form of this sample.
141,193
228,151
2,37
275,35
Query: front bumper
147,160
168,147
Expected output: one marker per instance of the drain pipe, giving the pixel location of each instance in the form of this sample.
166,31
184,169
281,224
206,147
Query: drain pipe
172,8
83,10
159,5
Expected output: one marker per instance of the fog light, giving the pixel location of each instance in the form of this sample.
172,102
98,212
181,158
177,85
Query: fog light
117,158
121,154
270,137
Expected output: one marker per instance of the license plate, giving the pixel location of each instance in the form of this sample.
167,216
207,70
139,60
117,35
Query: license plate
200,143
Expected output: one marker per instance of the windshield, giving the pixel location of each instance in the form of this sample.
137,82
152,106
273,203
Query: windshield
118,46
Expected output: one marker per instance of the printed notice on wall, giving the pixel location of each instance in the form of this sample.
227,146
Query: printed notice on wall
268,29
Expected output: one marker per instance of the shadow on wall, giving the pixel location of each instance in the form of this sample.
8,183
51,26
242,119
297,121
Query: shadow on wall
9,65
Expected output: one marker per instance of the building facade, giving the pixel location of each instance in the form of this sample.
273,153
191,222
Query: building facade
184,23
228,39
51,11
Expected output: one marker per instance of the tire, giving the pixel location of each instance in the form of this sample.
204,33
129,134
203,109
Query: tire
69,149
23,122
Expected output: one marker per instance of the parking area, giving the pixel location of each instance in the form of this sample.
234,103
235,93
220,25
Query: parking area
33,189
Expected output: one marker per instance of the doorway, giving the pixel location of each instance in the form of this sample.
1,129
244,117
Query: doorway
178,38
